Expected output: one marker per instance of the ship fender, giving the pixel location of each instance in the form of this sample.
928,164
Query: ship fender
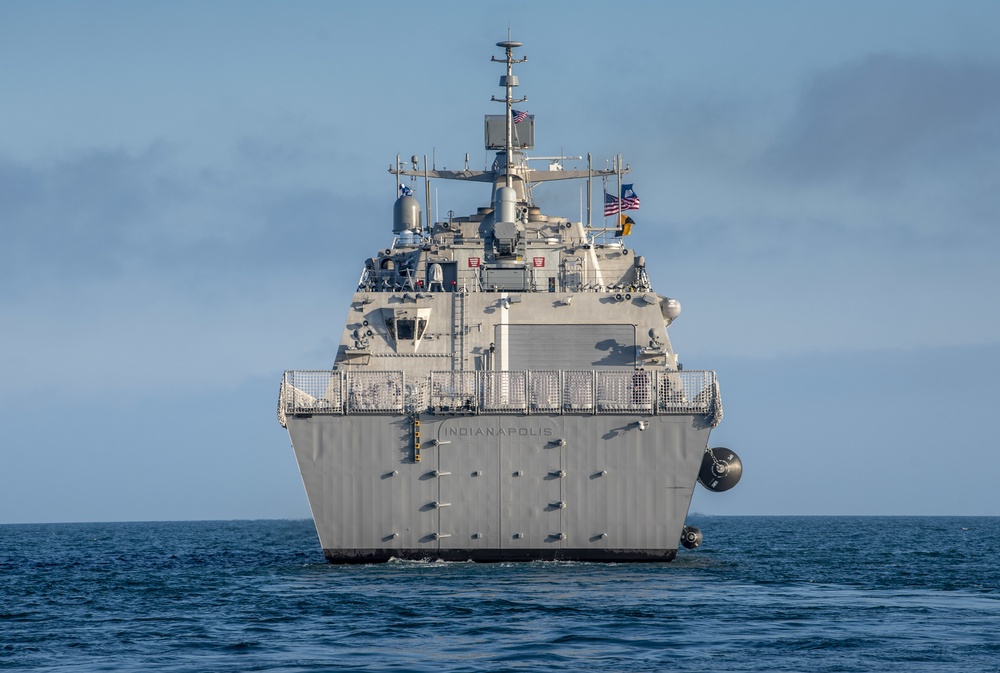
721,469
691,537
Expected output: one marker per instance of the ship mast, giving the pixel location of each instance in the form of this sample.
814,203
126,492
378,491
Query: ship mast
509,81
504,199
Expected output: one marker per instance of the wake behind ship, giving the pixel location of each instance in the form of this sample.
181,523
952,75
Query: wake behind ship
505,387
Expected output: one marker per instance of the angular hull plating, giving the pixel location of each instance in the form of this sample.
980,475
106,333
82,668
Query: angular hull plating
496,488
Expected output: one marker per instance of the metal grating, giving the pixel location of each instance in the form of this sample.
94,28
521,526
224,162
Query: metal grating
319,392
417,395
453,392
375,392
624,391
504,392
578,392
686,392
543,391
507,392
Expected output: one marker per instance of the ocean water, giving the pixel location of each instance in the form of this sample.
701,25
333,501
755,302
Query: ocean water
762,594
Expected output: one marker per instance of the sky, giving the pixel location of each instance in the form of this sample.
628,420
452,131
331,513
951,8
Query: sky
188,191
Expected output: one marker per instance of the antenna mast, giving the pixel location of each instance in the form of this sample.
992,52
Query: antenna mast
509,81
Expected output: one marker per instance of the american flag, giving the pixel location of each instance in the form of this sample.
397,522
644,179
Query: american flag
610,205
518,116
629,201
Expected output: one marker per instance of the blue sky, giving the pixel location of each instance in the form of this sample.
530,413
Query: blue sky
187,192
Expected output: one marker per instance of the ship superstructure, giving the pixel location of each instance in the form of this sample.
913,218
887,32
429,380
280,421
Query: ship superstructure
504,387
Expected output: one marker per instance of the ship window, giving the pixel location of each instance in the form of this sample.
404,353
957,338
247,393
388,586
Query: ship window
405,329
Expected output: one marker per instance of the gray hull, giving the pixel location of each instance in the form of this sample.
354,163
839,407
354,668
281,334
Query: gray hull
496,488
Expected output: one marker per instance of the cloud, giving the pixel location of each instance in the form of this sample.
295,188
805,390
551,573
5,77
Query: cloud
860,212
73,216
885,152
882,121
107,214
140,269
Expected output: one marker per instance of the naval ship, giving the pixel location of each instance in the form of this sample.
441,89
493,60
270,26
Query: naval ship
505,388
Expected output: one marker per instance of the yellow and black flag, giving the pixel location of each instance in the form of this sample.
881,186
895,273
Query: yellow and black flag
624,225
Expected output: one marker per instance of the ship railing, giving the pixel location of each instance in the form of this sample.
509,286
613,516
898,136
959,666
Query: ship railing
578,392
686,391
544,391
570,279
337,392
594,391
376,392
454,392
504,392
320,392
624,392
416,395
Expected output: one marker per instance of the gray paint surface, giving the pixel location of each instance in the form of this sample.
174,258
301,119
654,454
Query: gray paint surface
501,483
546,346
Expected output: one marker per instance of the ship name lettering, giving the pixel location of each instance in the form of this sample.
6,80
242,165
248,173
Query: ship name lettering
496,432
